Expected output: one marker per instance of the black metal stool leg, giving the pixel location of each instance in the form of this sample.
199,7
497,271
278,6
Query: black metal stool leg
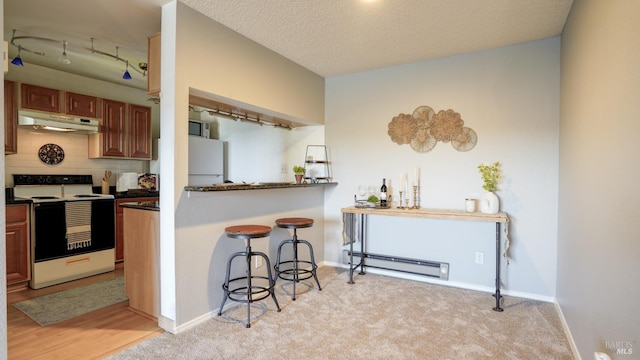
249,295
314,266
295,262
272,281
225,286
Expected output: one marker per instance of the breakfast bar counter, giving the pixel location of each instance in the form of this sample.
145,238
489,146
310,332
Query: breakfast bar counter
255,186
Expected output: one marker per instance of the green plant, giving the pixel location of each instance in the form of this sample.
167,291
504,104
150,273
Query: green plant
373,199
299,170
490,175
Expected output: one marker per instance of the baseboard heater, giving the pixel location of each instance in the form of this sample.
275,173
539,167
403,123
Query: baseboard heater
412,266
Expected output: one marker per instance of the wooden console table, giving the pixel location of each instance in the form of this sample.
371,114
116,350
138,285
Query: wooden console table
441,214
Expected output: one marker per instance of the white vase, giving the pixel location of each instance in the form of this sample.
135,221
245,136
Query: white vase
490,203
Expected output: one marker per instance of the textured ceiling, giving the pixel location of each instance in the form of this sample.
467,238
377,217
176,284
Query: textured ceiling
336,37
329,37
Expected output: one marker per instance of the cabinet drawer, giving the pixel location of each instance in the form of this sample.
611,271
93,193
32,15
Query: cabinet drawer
16,213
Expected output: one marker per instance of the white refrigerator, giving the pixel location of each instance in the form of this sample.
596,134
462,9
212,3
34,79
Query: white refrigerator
206,161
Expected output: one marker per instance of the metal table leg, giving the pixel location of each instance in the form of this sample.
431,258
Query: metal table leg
497,294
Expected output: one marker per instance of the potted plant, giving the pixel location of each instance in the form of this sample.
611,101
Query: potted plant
490,203
299,173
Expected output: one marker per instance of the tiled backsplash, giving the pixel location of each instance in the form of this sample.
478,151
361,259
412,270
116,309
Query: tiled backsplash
26,160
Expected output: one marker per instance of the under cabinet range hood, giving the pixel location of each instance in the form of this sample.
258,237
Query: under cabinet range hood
58,122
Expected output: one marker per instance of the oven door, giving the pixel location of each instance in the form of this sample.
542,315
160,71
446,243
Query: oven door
50,229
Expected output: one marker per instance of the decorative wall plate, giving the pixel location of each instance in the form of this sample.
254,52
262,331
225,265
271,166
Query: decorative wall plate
51,154
465,140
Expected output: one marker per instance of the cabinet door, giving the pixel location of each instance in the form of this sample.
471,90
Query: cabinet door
40,98
10,118
113,128
81,105
120,224
139,132
17,244
153,64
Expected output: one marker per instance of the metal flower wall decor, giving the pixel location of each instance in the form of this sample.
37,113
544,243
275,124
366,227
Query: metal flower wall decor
424,128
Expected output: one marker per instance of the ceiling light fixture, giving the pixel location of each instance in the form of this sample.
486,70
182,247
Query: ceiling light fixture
17,61
64,59
126,74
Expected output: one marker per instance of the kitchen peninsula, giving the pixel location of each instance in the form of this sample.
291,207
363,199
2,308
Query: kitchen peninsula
203,213
142,247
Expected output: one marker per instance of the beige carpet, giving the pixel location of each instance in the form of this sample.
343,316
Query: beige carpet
378,317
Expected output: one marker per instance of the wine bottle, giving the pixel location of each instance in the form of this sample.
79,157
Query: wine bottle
383,193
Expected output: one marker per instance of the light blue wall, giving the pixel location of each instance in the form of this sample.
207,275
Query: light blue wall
598,241
510,98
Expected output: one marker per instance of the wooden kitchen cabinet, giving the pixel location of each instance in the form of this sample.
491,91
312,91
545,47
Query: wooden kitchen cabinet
17,246
112,129
10,118
120,224
123,134
40,98
139,132
153,64
142,276
81,105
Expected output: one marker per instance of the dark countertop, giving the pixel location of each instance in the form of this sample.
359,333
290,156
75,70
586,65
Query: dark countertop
142,205
17,201
258,186
124,195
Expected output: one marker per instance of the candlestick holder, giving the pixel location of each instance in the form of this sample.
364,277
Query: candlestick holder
416,197
404,201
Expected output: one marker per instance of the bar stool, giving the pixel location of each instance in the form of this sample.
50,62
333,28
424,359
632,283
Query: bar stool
295,273
250,292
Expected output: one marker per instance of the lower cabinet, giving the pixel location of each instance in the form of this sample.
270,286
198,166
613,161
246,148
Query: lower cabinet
142,276
17,235
120,226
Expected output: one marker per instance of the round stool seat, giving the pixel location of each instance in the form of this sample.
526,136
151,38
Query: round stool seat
247,231
294,222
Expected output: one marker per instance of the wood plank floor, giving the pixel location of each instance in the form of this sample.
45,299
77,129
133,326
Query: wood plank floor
91,336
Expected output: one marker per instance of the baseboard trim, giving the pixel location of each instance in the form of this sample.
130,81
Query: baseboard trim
456,284
567,332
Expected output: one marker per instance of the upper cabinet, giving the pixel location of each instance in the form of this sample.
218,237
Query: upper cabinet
123,134
153,65
139,132
10,118
81,105
45,99
40,98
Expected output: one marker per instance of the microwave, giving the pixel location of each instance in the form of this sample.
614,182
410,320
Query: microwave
199,128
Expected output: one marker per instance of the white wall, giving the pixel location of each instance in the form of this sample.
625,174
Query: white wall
509,96
257,153
598,246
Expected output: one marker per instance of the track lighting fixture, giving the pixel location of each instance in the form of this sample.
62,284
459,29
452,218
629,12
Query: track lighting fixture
17,60
64,59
